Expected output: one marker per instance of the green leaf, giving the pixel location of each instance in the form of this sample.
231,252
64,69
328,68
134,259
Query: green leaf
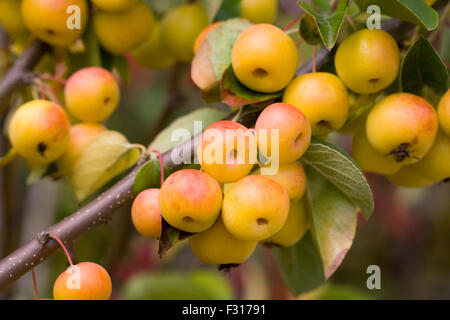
105,157
413,11
205,116
309,31
229,9
120,64
149,176
332,218
214,56
328,23
301,265
421,67
342,171
197,285
236,94
169,237
211,7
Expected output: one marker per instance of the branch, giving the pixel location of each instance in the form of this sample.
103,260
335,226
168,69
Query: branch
102,208
20,73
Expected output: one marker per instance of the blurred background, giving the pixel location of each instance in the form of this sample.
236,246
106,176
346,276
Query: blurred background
408,236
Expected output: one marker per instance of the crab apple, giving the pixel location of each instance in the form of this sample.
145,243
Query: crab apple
190,200
92,94
120,32
227,151
152,53
83,281
402,126
114,5
180,28
368,61
264,58
323,98
204,34
259,11
39,131
292,178
294,132
294,228
369,159
435,166
80,136
145,213
444,112
410,177
255,208
218,246
11,17
48,20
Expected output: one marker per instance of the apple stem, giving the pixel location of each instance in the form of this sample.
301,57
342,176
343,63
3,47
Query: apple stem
299,42
161,164
350,20
292,23
52,94
63,247
36,294
54,78
41,90
314,59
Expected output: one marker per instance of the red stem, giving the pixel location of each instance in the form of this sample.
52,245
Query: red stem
42,90
292,23
161,164
64,248
36,294
54,78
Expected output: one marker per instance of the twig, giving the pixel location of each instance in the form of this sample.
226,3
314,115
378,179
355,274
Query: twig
20,73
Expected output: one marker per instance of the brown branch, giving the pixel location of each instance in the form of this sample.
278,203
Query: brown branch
20,73
103,207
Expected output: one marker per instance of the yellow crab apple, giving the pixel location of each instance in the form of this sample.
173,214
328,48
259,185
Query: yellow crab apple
293,128
83,281
402,126
114,5
152,53
255,208
190,200
11,18
227,151
368,61
444,113
264,58
48,19
180,28
292,178
92,94
369,159
259,11
294,228
323,98
145,213
218,246
120,32
39,131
